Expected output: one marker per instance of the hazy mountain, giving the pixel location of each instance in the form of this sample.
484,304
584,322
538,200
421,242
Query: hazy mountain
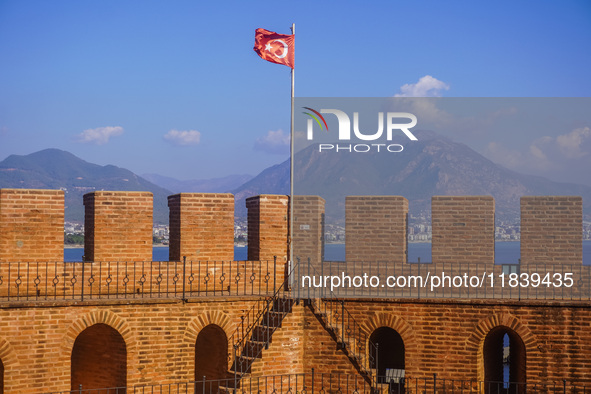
213,185
55,169
434,165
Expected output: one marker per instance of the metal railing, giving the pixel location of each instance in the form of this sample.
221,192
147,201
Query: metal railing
325,383
256,329
79,281
82,281
346,331
435,385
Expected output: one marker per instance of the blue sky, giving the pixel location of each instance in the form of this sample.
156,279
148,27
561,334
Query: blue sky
175,88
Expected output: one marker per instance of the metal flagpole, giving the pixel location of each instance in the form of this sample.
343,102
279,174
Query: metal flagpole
291,171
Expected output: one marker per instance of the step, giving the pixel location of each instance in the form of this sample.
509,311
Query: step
262,334
252,349
272,319
242,365
283,305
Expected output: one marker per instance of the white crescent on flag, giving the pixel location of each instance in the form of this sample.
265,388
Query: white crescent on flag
285,49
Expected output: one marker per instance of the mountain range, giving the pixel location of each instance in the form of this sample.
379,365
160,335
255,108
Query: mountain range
58,169
213,185
435,166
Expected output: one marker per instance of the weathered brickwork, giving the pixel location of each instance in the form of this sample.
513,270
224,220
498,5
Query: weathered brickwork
285,354
463,229
268,226
160,338
375,228
444,337
447,337
308,228
131,335
201,226
118,226
31,225
552,230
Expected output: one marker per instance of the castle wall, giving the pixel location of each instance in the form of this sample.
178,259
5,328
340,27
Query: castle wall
31,225
201,226
118,226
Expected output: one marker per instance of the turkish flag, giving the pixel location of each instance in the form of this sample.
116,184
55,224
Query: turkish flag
273,47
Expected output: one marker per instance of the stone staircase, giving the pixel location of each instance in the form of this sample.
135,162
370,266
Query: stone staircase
347,333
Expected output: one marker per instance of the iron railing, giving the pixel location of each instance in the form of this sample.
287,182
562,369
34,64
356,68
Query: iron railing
256,328
79,281
435,385
82,281
346,331
343,383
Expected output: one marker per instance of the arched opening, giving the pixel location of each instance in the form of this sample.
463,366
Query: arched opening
389,361
211,356
504,362
1,377
99,359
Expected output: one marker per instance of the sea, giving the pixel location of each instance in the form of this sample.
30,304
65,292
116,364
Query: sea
505,253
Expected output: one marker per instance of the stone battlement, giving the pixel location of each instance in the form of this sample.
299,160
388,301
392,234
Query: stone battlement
118,227
131,321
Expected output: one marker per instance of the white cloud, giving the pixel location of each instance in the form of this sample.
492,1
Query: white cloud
100,135
565,157
507,157
427,86
184,137
276,142
573,144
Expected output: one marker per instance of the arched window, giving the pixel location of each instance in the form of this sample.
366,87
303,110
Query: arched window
211,356
99,359
504,362
390,357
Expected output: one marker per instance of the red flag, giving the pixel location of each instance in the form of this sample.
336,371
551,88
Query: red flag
273,47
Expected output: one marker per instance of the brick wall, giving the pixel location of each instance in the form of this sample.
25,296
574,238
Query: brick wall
440,336
375,228
268,227
446,337
201,226
463,229
118,226
308,240
552,230
31,225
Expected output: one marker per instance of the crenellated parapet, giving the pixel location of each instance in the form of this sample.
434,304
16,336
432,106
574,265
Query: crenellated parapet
268,227
551,229
375,228
118,227
31,225
463,229
201,226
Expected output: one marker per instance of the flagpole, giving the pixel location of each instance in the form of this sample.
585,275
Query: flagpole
291,171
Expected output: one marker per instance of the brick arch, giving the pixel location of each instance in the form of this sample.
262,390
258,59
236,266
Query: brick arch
475,342
7,354
113,321
10,362
95,317
401,326
197,324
